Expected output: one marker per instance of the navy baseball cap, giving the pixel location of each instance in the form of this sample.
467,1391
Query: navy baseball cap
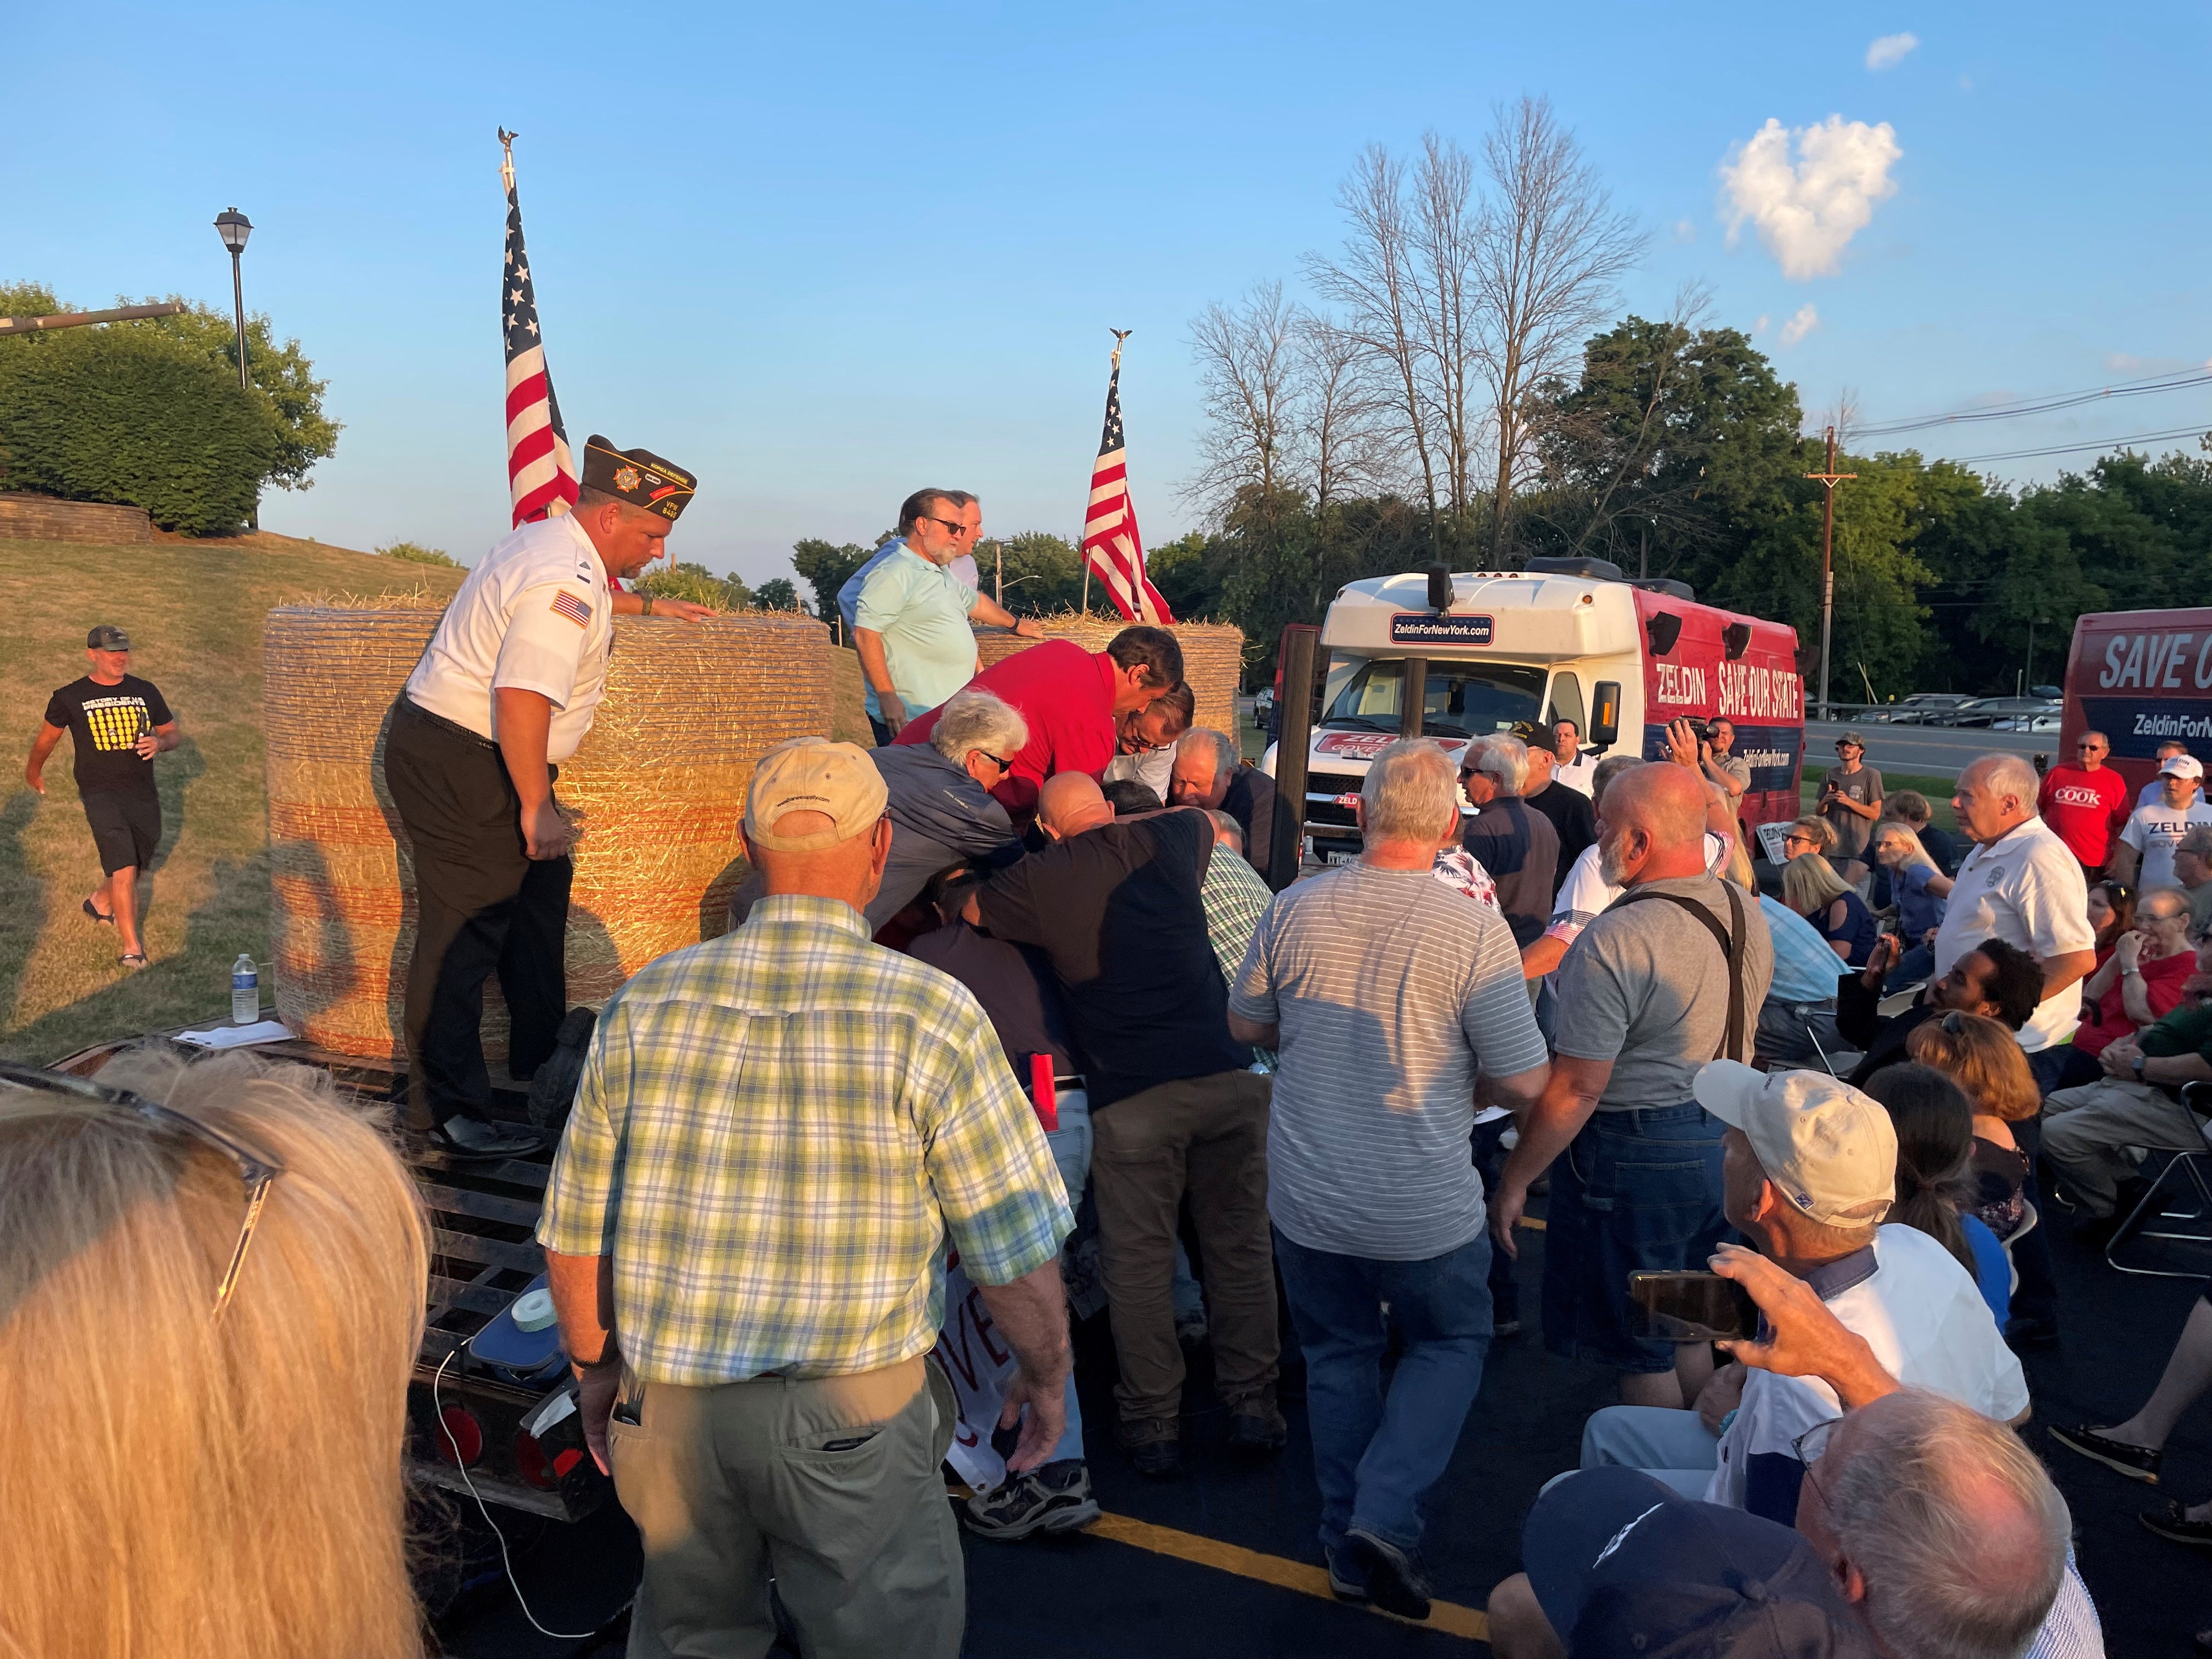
1622,1563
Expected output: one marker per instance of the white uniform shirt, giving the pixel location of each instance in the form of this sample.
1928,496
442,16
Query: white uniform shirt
1924,1318
2026,889
2155,830
534,615
1580,776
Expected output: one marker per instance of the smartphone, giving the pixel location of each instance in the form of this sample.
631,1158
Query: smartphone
1691,1307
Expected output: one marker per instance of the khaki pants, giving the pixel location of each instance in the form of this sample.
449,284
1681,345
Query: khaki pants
1208,1136
2087,1133
733,1486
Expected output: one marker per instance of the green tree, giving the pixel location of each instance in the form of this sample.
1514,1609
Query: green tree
776,593
699,584
826,567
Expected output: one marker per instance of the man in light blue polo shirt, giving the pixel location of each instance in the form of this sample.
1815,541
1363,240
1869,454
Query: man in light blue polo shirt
910,618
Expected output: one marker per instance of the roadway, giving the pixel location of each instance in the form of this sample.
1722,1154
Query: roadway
1939,751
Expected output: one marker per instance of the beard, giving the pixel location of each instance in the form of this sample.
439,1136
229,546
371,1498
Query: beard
1609,869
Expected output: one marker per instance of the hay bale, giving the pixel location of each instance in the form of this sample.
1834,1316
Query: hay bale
1212,656
659,786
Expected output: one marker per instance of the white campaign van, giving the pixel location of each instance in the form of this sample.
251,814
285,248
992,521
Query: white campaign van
1567,639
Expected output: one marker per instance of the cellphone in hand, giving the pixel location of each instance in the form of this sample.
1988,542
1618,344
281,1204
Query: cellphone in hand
1690,1307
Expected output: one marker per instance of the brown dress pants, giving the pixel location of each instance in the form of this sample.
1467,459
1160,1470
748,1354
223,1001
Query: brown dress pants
1206,1136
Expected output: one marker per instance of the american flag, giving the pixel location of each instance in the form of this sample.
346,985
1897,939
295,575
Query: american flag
541,474
1111,544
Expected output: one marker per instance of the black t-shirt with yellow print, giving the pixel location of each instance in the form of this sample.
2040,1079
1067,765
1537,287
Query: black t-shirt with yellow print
106,722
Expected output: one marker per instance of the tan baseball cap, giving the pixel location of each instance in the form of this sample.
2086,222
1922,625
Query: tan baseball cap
1829,1150
812,774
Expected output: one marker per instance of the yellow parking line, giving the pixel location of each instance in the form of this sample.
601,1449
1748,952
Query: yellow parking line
1445,1616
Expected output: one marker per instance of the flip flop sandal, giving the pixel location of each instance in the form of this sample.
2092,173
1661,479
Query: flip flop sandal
134,959
98,915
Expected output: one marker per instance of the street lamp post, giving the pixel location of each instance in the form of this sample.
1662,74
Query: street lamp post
234,228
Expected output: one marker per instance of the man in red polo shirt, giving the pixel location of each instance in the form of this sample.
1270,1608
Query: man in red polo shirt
1071,699
2086,802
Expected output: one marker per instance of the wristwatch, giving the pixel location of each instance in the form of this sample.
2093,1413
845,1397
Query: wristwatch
2138,1063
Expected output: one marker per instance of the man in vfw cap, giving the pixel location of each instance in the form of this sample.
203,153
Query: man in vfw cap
506,688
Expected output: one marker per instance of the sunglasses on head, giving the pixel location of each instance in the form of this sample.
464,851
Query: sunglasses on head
256,1170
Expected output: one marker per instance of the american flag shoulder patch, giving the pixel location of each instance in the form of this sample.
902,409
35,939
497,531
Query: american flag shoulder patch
567,604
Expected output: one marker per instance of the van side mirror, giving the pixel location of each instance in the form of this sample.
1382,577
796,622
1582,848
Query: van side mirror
1440,587
1605,714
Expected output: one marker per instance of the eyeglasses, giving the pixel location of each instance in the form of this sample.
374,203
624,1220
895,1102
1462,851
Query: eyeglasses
1810,1445
953,524
1799,841
256,1170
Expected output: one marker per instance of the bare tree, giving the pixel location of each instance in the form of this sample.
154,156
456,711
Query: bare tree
1247,355
1376,283
1341,445
1550,249
1447,227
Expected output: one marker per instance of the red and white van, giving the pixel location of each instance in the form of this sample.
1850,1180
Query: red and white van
1563,640
2140,678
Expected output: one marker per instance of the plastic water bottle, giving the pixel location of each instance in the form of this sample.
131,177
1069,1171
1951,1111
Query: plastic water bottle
244,992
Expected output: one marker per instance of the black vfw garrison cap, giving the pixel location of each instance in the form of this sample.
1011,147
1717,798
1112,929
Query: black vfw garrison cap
638,477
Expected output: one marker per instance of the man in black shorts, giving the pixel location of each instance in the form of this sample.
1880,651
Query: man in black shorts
117,723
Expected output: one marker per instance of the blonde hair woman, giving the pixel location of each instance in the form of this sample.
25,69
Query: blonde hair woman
212,1289
1811,887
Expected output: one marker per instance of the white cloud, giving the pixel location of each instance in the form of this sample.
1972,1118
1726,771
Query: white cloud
1760,327
1808,210
1685,231
1890,50
1800,325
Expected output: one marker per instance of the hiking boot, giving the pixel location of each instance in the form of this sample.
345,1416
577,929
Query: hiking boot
1395,1581
1055,1498
1257,1429
1154,1445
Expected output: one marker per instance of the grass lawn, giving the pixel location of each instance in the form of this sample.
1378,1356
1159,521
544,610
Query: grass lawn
194,610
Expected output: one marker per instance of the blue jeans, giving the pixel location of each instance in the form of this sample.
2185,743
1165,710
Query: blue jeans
1636,1190
1915,966
1070,1145
1375,1456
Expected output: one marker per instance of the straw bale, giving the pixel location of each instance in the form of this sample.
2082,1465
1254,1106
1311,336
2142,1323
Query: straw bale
1212,656
658,788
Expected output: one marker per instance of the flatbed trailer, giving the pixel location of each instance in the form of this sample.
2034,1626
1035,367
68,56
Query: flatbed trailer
470,1427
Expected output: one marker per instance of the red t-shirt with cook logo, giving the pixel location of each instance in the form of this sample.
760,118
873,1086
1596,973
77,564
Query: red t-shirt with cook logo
2084,809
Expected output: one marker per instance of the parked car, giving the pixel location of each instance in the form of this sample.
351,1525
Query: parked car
1987,711
2046,718
1918,708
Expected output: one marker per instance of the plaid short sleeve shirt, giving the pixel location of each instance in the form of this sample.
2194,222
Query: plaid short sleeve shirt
776,1133
1233,899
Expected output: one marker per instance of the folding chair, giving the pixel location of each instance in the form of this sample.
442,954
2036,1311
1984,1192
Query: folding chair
2194,1163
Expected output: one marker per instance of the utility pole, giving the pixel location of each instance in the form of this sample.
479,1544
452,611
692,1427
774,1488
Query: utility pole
1829,480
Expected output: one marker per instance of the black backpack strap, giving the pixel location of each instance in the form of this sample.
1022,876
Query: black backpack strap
1731,945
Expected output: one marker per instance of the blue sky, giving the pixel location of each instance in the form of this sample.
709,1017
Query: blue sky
821,255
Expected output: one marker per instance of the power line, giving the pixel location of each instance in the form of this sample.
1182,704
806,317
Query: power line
2179,379
2076,449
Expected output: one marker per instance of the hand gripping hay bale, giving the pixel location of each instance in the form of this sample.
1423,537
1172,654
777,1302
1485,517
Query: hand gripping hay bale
1212,656
658,788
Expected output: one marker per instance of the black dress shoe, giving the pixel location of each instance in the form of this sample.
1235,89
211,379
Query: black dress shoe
2172,1521
2137,1462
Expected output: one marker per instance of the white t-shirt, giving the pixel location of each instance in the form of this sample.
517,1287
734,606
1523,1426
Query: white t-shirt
2026,889
535,615
1924,1318
2155,831
1585,893
1153,769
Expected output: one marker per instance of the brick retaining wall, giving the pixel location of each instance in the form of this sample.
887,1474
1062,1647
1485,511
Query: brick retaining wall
43,519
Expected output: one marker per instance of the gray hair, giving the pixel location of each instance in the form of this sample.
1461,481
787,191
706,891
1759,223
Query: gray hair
1505,759
977,720
1959,1532
1226,755
1227,831
1411,792
2197,839
2099,735
1607,769
2009,774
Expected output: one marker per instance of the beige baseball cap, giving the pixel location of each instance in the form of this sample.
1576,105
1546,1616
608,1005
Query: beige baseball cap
812,774
1830,1149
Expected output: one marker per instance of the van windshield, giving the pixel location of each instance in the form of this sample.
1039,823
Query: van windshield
1462,698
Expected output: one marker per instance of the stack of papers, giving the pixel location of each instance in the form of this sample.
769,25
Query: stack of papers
237,1036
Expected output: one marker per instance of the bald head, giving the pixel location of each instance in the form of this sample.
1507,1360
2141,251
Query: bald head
1654,826
1071,802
